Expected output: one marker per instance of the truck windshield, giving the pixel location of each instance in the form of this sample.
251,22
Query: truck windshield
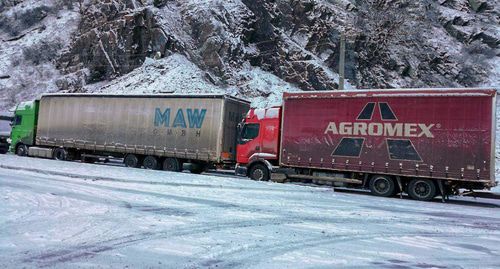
250,131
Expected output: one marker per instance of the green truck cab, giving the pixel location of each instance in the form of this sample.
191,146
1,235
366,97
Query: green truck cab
24,127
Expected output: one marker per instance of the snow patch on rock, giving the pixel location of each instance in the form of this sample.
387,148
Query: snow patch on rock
25,64
177,74
263,88
174,74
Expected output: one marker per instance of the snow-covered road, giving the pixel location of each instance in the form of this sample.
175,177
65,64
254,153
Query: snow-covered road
68,214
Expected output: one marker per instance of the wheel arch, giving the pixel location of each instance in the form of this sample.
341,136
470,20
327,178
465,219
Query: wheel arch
18,144
264,162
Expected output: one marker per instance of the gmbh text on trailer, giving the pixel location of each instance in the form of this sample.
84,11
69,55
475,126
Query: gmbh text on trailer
424,142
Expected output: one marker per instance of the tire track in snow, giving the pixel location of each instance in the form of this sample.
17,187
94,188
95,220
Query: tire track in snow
59,255
256,253
62,192
172,184
90,249
56,256
279,211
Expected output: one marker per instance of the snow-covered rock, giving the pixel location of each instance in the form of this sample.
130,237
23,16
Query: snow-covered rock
291,44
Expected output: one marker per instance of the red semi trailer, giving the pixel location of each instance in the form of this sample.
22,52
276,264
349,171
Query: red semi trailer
424,142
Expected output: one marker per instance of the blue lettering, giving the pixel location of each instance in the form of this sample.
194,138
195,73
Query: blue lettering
195,117
179,120
162,118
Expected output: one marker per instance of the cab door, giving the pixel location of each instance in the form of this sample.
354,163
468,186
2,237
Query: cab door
249,142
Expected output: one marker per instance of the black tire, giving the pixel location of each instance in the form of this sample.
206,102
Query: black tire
259,172
172,165
151,163
422,189
131,160
22,150
381,185
60,154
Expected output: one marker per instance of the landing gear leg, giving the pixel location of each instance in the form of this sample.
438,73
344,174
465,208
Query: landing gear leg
441,189
398,179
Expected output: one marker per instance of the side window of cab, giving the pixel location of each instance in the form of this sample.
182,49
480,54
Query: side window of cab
250,131
18,119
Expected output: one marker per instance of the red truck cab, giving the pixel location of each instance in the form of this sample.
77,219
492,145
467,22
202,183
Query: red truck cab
258,143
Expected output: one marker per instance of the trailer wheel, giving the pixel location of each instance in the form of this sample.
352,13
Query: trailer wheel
259,172
150,162
131,160
422,189
60,154
22,150
172,165
382,186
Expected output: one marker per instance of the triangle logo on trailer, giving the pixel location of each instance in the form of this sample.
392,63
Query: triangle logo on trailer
399,145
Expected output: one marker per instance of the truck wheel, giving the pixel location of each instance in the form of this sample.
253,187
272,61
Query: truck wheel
60,154
382,186
422,189
259,172
22,150
131,160
172,165
150,162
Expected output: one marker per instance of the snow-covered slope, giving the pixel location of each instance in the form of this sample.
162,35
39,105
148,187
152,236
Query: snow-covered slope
32,33
253,49
176,74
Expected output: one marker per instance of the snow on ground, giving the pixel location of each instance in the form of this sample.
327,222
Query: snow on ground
69,214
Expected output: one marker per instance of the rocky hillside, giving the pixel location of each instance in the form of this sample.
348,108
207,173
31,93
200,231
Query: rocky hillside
250,48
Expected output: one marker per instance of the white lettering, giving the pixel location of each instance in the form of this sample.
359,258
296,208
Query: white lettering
332,127
426,130
410,130
393,129
380,129
375,131
359,128
345,128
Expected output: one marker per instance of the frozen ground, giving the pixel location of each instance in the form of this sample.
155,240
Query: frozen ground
64,214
